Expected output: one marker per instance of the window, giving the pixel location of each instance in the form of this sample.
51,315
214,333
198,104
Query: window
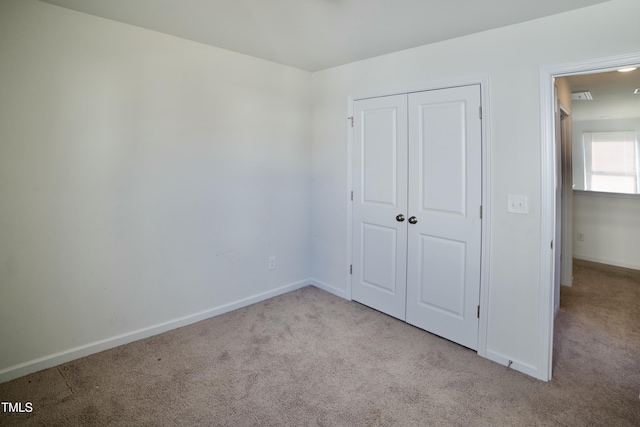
611,162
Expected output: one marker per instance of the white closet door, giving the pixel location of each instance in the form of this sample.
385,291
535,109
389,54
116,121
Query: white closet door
445,183
380,195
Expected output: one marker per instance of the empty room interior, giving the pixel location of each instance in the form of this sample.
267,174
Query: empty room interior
300,174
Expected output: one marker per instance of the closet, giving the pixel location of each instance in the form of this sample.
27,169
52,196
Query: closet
417,193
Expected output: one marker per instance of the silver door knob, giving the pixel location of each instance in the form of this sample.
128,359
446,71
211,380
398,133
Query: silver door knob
400,218
413,220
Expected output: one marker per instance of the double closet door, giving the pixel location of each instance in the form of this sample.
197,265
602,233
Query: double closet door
417,180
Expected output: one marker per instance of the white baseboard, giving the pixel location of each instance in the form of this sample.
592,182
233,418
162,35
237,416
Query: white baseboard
331,289
55,359
516,365
607,261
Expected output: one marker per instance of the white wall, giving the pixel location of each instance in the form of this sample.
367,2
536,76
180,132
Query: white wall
610,225
512,58
143,179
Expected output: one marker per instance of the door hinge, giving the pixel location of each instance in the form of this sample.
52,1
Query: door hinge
352,196
478,312
480,111
351,269
350,118
552,244
480,212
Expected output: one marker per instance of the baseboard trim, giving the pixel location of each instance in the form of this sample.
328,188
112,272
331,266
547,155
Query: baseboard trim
331,289
55,359
607,261
516,365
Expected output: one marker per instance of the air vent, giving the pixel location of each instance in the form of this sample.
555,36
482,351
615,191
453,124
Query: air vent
581,96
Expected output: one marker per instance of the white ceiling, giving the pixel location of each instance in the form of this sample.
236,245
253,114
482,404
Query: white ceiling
612,93
318,34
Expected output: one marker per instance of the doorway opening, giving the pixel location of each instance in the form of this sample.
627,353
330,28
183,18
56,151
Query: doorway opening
552,175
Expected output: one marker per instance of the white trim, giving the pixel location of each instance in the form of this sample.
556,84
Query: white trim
329,288
433,85
55,359
566,150
349,201
484,82
547,230
607,261
485,276
606,195
547,226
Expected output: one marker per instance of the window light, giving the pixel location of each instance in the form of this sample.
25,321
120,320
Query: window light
611,162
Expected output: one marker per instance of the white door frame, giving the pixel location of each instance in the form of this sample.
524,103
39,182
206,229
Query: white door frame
566,142
548,203
483,81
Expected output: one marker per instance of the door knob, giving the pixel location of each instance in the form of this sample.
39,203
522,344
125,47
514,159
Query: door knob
413,220
400,218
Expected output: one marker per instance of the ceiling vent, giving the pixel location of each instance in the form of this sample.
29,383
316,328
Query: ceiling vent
581,96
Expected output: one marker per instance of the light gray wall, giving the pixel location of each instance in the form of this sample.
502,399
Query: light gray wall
512,58
144,181
610,225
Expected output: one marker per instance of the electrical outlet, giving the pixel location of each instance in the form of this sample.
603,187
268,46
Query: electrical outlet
271,263
580,237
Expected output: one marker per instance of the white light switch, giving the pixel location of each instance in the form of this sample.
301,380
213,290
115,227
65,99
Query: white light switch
517,204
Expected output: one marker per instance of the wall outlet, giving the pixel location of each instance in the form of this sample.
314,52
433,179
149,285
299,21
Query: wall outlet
271,263
580,237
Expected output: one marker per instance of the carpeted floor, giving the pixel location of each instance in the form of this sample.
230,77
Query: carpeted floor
310,358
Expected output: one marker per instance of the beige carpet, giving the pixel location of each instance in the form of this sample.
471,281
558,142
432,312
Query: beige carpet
310,358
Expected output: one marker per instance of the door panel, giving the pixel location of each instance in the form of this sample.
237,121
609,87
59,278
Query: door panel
379,264
445,182
443,261
380,156
380,194
442,137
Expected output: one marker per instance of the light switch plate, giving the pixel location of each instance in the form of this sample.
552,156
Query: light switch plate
517,204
